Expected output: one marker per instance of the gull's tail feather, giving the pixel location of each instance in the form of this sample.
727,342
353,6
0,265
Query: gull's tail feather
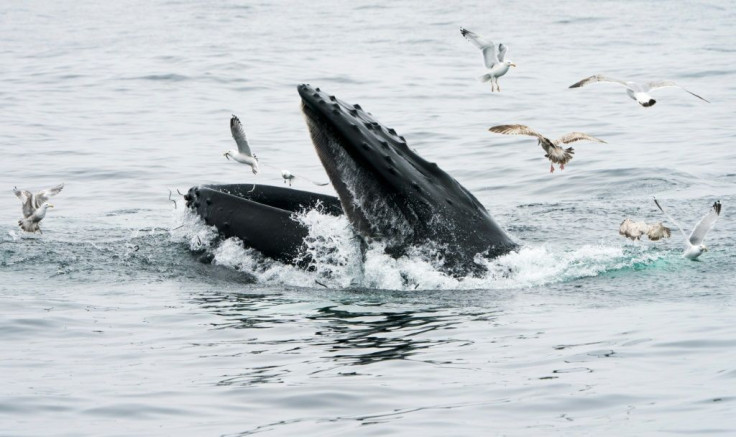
485,78
29,225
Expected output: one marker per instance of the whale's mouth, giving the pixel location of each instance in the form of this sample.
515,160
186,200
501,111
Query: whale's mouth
391,193
369,200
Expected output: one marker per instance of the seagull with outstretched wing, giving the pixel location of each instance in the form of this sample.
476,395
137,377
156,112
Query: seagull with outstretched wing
289,177
637,91
34,206
553,151
32,202
694,243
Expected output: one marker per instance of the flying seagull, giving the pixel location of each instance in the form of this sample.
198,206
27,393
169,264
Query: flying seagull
552,149
243,155
34,206
289,177
694,243
637,91
493,58
634,230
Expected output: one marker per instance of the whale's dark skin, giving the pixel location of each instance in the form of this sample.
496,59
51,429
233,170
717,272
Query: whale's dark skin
388,192
261,215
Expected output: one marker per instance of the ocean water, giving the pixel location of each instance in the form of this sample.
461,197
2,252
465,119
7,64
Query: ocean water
110,324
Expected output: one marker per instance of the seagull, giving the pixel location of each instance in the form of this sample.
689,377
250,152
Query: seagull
694,242
286,174
33,206
555,153
30,223
493,58
657,231
634,230
637,91
243,154
289,177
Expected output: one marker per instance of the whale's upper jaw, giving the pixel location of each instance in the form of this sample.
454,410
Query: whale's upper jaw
386,189
380,148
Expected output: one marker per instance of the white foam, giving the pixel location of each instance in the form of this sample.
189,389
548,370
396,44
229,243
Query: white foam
337,261
190,228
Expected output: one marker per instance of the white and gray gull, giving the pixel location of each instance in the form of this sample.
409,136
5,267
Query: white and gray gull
552,149
35,206
635,90
493,58
243,155
694,246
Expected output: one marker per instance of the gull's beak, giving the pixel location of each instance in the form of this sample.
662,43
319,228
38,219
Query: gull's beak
705,249
512,64
51,206
226,155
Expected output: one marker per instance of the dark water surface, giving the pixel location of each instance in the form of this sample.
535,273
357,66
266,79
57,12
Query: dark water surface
110,325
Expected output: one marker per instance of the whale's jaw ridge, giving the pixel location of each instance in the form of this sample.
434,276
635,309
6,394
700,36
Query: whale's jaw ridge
390,192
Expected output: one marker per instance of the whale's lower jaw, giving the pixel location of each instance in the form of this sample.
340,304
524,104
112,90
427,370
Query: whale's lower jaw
261,216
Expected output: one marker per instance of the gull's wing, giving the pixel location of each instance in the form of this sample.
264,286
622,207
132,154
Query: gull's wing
236,127
518,129
577,136
597,78
26,197
668,83
515,129
658,231
669,217
43,196
490,56
705,224
502,52
23,195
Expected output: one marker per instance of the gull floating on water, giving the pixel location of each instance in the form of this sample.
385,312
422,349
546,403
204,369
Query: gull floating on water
243,154
637,91
694,243
493,58
35,206
553,152
634,230
289,177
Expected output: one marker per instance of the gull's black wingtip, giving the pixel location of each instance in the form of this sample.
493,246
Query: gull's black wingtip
656,202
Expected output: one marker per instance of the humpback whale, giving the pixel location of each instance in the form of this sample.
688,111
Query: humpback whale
389,194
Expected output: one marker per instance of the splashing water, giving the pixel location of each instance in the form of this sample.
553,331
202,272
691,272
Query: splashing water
337,260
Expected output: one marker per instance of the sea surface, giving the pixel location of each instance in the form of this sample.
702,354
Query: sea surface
110,324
